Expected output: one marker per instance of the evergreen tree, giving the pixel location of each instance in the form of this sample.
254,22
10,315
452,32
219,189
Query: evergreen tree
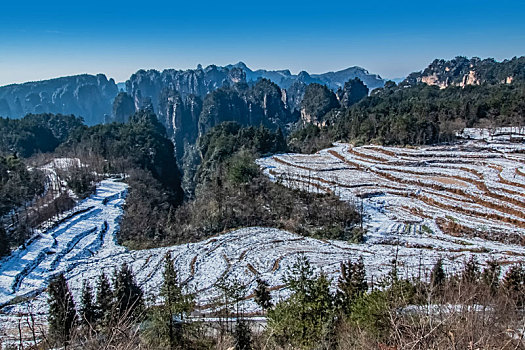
243,335
233,292
129,298
176,304
393,276
104,301
321,304
263,298
4,243
280,142
300,277
62,313
305,319
490,275
87,310
351,283
437,275
514,283
470,272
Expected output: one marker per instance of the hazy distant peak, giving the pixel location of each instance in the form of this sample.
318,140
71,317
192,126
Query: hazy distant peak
85,95
241,64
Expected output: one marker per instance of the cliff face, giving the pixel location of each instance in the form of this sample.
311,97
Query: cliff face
192,101
318,100
462,71
180,115
87,96
147,85
259,104
179,97
352,92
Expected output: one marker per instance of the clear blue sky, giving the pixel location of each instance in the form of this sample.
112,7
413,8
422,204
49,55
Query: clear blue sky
44,39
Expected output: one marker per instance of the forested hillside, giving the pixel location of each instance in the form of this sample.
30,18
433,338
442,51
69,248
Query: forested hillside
35,133
462,71
139,149
227,188
417,115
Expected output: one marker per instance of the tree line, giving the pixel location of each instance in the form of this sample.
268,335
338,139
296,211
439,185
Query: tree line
107,311
441,310
416,115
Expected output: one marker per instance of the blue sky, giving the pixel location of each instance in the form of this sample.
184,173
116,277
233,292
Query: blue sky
44,39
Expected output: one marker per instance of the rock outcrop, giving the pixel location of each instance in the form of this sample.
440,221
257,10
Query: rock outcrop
352,92
260,104
199,82
180,115
462,72
188,102
318,100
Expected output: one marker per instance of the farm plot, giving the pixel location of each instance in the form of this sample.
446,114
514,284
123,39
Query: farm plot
419,205
473,191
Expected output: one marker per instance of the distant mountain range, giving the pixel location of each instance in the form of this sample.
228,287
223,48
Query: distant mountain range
333,80
92,96
89,96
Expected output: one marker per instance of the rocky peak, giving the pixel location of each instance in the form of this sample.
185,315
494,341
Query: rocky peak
462,71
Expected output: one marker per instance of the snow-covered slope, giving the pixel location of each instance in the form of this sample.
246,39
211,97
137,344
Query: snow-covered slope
411,198
472,194
495,134
87,233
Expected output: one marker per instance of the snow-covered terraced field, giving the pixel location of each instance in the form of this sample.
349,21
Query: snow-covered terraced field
421,204
494,134
472,192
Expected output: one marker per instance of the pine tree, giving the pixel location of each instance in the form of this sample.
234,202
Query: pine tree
300,277
351,283
513,279
243,335
306,318
233,293
393,276
4,243
514,283
490,275
470,272
321,302
62,313
87,310
280,141
104,301
263,298
128,297
175,302
437,276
